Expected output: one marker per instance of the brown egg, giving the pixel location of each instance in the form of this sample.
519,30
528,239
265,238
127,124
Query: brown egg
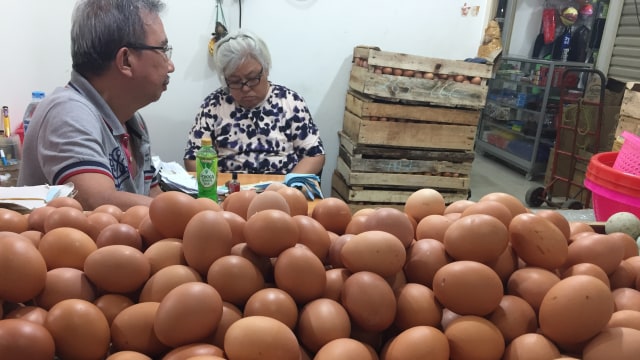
132,330
596,249
587,269
420,342
66,217
376,251
13,221
313,235
578,227
474,337
79,329
489,240
269,232
34,314
119,234
345,348
65,201
117,268
356,225
37,216
261,262
506,264
628,243
34,235
134,215
167,278
514,317
387,70
200,245
575,309
424,202
98,221
457,282
535,345
624,276
626,299
236,224
513,203
164,253
149,234
230,314
298,204
321,321
417,306
531,284
275,186
369,300
204,203
238,202
537,241
558,220
22,339
335,282
424,258
333,213
66,247
273,303
65,283
492,208
614,343
625,318
433,227
170,212
195,351
334,258
235,278
112,304
128,355
392,221
113,210
260,337
187,314
300,273
26,266
268,200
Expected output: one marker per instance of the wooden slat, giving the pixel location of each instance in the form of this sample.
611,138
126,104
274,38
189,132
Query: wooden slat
392,165
364,106
631,102
422,63
416,135
435,92
397,180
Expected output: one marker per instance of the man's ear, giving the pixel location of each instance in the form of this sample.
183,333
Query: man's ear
124,60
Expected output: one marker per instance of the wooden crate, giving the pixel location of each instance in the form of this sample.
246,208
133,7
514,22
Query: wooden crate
413,135
367,78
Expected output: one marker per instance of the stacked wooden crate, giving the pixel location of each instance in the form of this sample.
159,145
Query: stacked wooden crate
410,122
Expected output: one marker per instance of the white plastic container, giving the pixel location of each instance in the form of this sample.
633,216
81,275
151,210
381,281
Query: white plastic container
36,97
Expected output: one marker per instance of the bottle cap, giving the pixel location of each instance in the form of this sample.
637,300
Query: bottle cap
234,176
37,94
206,141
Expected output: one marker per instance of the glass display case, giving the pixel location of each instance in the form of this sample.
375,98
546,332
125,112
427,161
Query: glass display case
517,124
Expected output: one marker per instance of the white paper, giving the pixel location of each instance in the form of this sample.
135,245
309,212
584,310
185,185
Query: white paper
31,197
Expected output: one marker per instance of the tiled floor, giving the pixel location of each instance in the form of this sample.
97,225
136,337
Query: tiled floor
489,175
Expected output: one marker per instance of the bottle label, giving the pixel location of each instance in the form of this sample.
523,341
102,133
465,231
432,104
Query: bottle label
207,177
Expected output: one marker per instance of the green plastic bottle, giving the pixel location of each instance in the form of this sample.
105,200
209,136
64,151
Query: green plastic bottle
207,170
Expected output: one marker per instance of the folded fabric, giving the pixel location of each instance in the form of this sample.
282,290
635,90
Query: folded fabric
309,184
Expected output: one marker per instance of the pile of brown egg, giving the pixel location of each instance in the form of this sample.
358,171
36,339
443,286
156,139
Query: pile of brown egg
396,71
263,276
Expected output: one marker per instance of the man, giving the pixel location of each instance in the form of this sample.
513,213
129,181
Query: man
89,132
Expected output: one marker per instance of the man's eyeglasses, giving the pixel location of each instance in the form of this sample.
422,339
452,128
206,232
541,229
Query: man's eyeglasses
250,82
166,50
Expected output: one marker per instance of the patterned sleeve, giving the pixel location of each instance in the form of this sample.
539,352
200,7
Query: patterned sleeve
203,124
306,140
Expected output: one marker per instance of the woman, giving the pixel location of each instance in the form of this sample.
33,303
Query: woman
257,127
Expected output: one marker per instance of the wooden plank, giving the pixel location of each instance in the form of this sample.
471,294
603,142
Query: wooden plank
374,151
364,106
631,101
421,135
380,197
409,166
398,180
629,124
377,57
435,92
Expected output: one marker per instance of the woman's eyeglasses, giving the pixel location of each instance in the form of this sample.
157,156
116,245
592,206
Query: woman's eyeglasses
249,82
